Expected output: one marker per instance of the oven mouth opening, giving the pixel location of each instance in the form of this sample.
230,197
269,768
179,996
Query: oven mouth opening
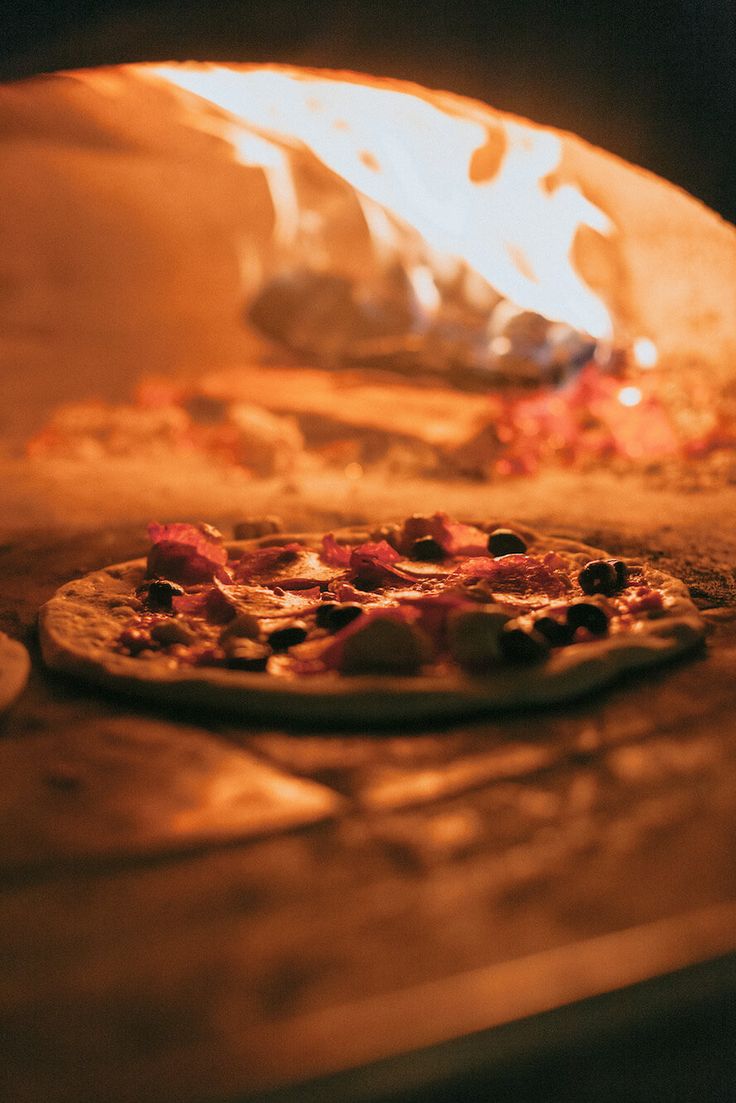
304,275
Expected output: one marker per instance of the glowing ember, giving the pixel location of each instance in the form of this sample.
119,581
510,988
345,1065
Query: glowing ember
645,352
627,415
629,396
422,237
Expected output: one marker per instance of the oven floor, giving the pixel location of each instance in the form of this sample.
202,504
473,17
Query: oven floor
192,910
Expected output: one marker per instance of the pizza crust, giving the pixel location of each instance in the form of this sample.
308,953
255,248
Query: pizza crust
14,669
80,624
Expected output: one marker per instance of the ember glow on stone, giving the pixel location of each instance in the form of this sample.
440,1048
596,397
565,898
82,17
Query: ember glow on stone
645,352
629,396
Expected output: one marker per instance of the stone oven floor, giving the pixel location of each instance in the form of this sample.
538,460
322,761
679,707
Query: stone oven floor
194,910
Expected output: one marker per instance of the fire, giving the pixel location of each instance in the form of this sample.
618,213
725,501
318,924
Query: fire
645,352
629,396
478,239
412,163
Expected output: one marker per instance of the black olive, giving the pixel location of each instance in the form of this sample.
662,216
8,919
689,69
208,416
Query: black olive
599,576
366,582
323,612
427,550
519,646
161,592
583,614
557,633
505,542
284,638
333,617
622,572
242,654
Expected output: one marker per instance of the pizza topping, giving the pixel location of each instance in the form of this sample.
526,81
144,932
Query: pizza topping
244,654
208,656
171,631
643,600
555,562
333,617
337,555
505,542
473,638
431,611
243,626
518,645
372,565
438,591
379,552
479,593
522,574
322,614
159,594
557,633
384,646
281,639
266,563
427,550
292,567
347,593
603,576
186,554
212,603
622,572
584,614
262,601
452,536
134,640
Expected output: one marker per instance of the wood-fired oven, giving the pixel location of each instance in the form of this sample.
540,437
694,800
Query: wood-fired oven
233,290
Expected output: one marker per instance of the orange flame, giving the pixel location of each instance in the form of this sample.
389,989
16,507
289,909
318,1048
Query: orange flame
408,158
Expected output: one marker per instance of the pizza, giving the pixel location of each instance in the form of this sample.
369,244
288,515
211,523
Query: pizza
14,668
426,618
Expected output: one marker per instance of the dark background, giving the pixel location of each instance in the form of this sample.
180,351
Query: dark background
652,80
